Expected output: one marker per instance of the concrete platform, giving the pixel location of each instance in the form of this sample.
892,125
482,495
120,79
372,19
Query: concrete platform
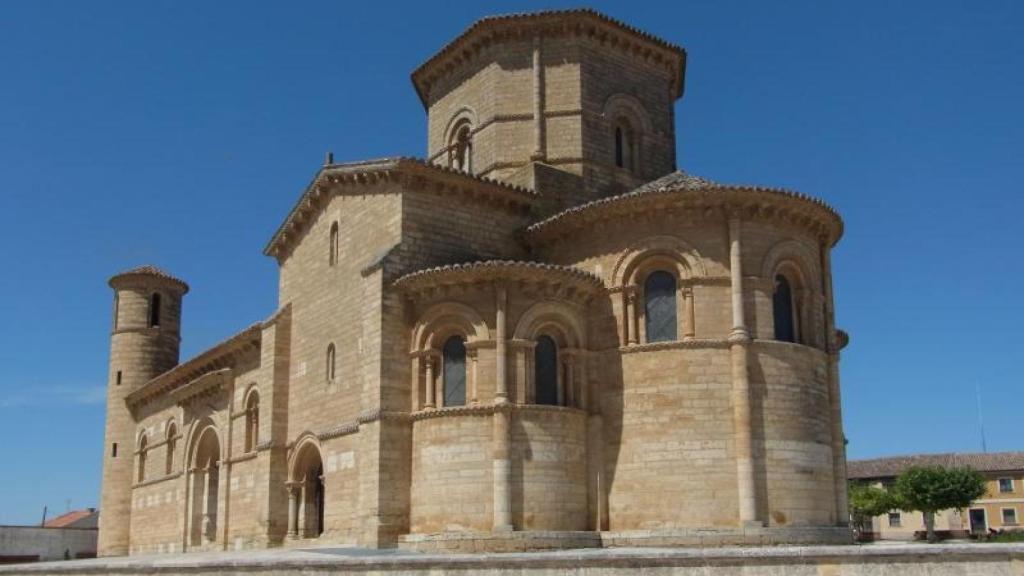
852,560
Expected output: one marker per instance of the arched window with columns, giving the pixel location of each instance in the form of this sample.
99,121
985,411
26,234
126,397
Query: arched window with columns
625,145
784,310
453,356
660,318
460,147
545,368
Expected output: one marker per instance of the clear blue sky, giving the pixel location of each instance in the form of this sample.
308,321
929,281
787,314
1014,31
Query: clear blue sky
180,134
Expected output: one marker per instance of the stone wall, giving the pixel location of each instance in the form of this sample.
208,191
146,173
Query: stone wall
930,560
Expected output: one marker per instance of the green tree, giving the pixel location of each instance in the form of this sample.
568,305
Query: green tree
928,489
867,501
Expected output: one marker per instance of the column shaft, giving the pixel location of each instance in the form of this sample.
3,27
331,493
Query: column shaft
740,339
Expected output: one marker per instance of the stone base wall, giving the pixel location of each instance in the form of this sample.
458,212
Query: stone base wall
897,560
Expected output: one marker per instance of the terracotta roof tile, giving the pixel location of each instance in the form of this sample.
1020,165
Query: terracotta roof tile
499,265
69,518
149,270
677,182
891,467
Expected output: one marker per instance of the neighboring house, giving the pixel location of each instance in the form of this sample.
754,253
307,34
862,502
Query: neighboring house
1001,508
71,535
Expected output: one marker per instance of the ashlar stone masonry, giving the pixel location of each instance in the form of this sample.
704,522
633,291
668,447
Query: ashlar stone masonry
543,335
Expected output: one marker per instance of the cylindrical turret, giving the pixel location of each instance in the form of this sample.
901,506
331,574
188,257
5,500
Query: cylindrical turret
144,343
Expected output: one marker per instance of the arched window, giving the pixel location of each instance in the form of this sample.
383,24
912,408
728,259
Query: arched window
625,146
143,447
154,310
332,258
454,356
783,310
172,439
460,148
252,421
331,364
660,306
545,370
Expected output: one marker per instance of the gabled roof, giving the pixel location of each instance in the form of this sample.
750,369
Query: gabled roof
579,20
69,519
330,179
688,187
147,272
890,467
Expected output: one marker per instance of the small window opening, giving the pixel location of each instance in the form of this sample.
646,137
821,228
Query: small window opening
113,450
783,309
154,310
332,258
460,148
331,364
118,379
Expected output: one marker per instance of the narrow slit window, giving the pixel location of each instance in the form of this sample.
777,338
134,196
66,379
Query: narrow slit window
117,380
113,450
782,309
454,355
545,368
332,258
331,363
660,307
154,310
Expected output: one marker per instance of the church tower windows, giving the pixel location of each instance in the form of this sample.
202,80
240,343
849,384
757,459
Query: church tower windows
154,310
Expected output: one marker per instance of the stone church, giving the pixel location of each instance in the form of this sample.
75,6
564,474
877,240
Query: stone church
542,335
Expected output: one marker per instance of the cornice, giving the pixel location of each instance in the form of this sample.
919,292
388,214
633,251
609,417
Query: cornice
695,199
560,281
147,276
582,22
216,358
418,175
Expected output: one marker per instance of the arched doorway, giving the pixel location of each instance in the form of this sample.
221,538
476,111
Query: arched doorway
306,493
204,486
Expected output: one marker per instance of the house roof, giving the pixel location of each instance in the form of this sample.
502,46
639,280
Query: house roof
690,187
893,466
578,20
69,518
147,272
332,177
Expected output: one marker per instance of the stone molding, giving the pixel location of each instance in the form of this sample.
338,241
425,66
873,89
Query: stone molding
582,23
700,199
564,281
158,480
419,175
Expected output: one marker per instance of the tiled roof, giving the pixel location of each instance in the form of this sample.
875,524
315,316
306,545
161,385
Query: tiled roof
539,17
369,170
69,518
680,181
469,268
149,270
893,466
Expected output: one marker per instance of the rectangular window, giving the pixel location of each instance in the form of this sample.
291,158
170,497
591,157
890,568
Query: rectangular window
113,450
118,377
1009,516
895,520
1005,485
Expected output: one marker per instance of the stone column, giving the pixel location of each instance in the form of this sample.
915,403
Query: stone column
570,382
539,144
419,399
632,317
690,330
473,395
293,509
501,452
428,361
739,341
835,397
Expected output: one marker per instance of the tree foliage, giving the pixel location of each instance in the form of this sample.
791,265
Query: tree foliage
868,501
928,489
